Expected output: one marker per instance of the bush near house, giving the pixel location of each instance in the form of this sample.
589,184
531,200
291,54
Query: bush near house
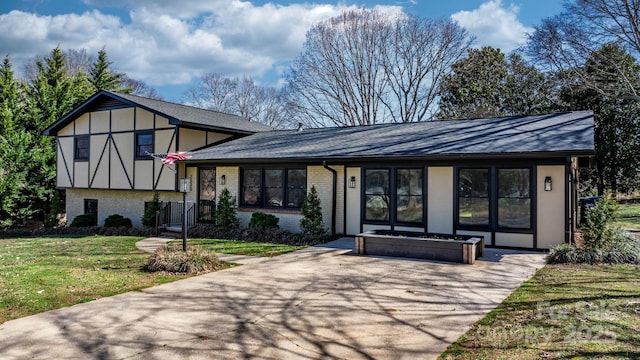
149,216
84,220
117,221
603,241
226,210
261,220
312,222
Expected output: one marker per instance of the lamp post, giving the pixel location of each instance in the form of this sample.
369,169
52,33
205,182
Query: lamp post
185,187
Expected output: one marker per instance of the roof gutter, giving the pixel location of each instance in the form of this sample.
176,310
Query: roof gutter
334,197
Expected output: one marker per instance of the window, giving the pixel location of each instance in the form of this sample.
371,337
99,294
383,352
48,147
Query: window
495,198
144,145
91,207
514,198
274,187
81,151
409,195
376,194
296,187
251,184
473,200
394,196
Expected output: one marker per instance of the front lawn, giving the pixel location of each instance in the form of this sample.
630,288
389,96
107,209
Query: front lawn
629,215
243,247
41,274
563,312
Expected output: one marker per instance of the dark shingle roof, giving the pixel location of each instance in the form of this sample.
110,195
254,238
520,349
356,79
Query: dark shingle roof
558,134
177,114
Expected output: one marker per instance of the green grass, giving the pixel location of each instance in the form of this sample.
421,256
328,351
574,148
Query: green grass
563,312
243,247
42,274
629,215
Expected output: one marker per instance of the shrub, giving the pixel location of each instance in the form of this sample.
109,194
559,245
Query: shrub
312,222
226,210
261,220
172,259
117,221
598,231
84,220
149,215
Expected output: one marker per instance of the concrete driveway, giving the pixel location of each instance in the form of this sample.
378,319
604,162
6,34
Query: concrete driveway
317,303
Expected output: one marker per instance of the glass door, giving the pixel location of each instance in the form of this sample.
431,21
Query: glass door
206,195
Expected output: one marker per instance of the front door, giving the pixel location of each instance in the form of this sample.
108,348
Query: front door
207,195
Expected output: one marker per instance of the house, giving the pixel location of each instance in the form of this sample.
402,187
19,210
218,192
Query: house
512,180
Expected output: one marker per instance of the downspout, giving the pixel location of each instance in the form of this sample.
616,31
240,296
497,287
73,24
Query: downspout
334,197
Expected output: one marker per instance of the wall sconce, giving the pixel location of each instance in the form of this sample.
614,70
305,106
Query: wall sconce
352,182
547,183
223,179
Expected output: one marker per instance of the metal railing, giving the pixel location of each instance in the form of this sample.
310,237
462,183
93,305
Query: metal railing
170,214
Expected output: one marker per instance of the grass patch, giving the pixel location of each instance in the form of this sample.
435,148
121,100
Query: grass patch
243,247
41,274
563,312
628,215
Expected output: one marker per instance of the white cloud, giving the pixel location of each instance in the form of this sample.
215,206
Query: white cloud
494,25
167,42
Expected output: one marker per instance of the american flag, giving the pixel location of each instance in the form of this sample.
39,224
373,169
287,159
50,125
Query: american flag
172,157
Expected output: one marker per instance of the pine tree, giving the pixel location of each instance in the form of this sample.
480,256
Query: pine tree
312,222
102,78
226,210
9,97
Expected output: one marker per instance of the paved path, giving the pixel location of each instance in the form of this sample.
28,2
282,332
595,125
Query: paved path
151,244
316,303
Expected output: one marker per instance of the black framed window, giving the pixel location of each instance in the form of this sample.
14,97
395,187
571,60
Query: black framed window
251,187
394,196
273,187
473,197
144,144
514,198
376,194
495,198
409,199
81,148
296,187
91,207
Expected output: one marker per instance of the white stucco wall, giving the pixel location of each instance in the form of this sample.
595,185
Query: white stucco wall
129,204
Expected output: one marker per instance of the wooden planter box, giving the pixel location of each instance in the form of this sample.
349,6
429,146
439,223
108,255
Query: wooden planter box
442,247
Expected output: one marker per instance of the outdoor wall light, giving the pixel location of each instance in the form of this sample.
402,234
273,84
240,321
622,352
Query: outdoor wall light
547,183
223,179
352,182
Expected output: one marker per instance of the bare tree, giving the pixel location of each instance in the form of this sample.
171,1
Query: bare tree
339,76
365,67
140,88
565,42
240,96
420,53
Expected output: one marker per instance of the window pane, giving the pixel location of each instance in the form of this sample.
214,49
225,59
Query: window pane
144,144
251,187
514,201
473,202
474,182
377,194
513,183
409,195
273,187
473,211
82,148
514,213
296,187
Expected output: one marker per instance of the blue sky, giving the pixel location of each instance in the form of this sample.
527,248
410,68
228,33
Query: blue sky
169,44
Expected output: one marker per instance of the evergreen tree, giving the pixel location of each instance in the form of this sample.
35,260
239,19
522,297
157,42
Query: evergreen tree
312,222
226,210
9,98
486,84
102,78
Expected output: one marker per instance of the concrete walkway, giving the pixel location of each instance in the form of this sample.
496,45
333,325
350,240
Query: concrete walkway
316,303
151,244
